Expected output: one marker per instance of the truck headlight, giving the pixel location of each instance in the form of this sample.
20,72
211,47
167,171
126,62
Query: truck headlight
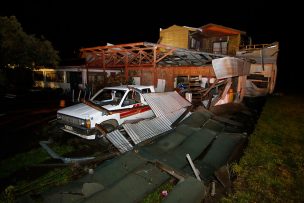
59,116
86,123
82,122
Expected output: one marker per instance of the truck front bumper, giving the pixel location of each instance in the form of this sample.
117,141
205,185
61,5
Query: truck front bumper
89,134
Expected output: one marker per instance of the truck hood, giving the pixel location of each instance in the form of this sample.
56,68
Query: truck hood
79,111
83,111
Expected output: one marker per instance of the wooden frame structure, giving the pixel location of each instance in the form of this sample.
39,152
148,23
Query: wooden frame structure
146,56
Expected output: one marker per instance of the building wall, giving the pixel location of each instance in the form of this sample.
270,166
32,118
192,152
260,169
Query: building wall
169,74
233,43
176,36
146,75
207,44
69,78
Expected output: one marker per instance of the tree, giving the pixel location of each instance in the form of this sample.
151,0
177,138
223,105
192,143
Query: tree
19,49
23,52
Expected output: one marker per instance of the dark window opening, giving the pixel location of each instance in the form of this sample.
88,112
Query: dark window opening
220,47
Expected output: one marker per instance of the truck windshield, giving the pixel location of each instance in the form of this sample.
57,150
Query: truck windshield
109,96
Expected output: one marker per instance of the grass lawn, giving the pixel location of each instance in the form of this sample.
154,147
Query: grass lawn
27,185
272,168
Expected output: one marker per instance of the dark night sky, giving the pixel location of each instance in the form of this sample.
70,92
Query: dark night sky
70,26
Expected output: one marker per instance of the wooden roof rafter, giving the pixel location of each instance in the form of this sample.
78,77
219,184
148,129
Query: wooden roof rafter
145,54
146,57
119,59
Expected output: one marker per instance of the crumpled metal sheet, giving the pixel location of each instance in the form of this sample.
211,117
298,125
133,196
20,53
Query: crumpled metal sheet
165,102
167,106
146,129
119,141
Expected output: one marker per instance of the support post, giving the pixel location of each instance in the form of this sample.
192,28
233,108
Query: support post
196,172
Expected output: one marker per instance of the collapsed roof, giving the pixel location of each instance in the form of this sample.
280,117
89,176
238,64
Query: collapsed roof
145,54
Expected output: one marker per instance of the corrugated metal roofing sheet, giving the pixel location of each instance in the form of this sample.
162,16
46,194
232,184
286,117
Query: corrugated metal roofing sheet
146,129
165,102
228,67
172,117
167,106
119,141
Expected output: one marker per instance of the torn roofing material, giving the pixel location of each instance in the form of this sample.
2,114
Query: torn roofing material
164,103
146,129
228,67
119,141
144,54
167,106
112,179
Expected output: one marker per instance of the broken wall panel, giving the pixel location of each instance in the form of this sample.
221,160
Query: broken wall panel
263,70
228,67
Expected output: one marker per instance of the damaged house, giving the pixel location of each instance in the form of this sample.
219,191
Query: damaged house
209,38
218,39
200,63
181,60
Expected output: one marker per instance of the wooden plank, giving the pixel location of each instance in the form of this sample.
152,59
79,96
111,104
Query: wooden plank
227,121
172,171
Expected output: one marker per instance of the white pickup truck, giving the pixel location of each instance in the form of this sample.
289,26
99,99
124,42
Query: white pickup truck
107,109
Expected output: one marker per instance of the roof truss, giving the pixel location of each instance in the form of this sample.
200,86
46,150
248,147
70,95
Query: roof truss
144,54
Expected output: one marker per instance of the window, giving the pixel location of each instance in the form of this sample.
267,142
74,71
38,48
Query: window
133,97
144,91
109,96
50,76
194,43
59,76
38,75
220,47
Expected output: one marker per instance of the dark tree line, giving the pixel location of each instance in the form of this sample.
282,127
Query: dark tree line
20,53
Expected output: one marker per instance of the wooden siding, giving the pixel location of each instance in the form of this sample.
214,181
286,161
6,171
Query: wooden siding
169,74
176,36
208,42
233,43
